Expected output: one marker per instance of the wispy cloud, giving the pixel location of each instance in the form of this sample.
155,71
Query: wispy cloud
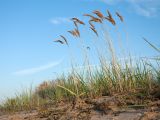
59,20
82,67
147,8
34,70
144,11
121,59
111,2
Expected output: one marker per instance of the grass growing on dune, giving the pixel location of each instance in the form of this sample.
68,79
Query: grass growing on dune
108,78
26,100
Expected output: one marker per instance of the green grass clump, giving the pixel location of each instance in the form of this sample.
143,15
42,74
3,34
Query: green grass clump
26,100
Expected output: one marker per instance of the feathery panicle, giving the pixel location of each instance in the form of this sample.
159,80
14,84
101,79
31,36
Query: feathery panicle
120,17
99,14
94,30
78,21
110,18
77,32
74,32
88,15
59,41
64,39
93,18
96,20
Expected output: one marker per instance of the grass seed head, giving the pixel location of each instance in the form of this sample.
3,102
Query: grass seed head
77,32
109,14
96,20
59,41
90,22
110,18
64,39
94,30
120,17
99,14
88,15
78,21
74,32
93,18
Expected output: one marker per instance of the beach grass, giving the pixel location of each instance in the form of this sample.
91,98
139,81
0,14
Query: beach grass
134,77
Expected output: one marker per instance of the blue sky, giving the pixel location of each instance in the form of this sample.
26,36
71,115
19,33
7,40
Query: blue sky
28,27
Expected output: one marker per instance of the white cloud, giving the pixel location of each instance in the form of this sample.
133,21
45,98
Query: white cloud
59,20
34,70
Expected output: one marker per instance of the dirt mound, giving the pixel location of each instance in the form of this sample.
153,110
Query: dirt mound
103,108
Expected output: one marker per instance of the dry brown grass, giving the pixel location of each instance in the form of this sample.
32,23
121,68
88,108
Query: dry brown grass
110,18
95,19
88,15
78,21
94,30
75,32
99,14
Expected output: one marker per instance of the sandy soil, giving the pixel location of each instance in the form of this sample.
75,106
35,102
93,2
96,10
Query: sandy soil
104,108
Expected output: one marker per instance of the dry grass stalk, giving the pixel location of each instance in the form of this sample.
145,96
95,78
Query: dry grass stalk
110,18
153,46
120,17
99,14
